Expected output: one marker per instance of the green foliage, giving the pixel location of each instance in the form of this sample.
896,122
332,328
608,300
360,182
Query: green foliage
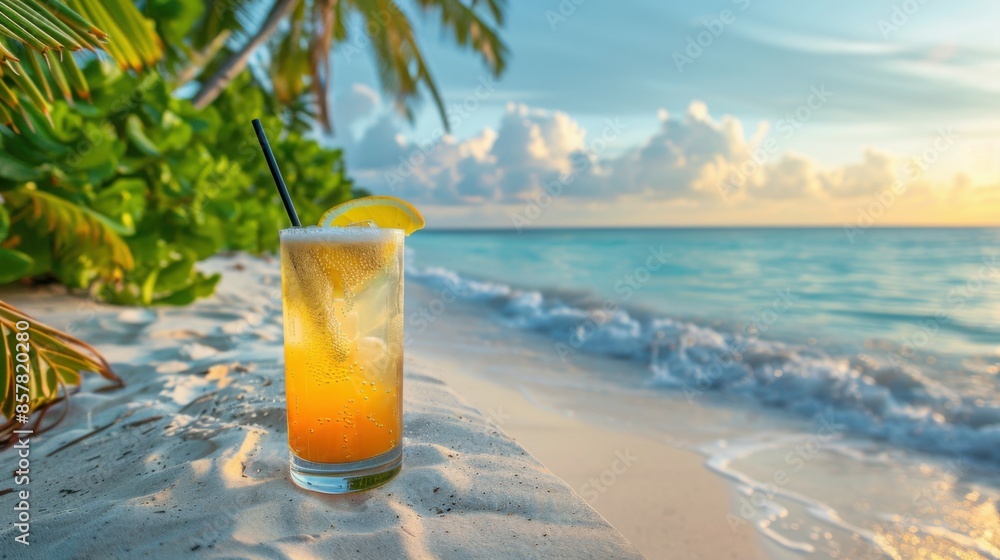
302,34
13,265
175,18
38,37
40,360
126,194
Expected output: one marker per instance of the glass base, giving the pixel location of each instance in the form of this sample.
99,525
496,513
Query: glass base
341,478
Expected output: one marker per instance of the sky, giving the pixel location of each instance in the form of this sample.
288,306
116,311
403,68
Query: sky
730,112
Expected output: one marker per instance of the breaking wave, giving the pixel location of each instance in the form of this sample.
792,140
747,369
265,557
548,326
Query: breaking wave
895,402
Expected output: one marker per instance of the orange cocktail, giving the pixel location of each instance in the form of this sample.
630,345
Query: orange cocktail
343,316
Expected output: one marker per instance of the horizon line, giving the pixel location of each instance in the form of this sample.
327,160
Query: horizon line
749,226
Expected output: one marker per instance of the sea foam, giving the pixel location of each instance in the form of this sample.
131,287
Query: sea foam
895,402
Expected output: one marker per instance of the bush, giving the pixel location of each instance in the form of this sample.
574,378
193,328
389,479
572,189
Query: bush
124,195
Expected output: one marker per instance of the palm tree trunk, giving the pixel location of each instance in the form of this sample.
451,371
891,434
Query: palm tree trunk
211,89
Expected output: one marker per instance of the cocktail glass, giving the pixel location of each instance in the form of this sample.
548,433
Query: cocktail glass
343,317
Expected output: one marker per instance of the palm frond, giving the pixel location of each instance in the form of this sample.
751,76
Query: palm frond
401,65
234,16
72,225
132,41
329,22
470,30
49,31
494,7
310,29
290,64
54,360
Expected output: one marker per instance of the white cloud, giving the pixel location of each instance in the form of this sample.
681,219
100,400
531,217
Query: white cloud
691,159
688,156
529,148
791,176
876,171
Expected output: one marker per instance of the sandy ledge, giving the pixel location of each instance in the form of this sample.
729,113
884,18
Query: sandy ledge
192,455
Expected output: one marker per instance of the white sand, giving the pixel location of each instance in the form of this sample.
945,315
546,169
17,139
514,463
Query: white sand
192,454
660,496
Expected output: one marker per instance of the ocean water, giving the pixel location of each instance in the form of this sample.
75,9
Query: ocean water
895,335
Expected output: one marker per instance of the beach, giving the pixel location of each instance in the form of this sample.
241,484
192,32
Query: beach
487,279
660,496
780,385
190,458
514,447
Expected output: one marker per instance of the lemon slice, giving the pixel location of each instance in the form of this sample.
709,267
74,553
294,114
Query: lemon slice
383,211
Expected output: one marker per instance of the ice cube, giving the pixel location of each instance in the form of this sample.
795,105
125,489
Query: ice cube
372,356
350,325
371,305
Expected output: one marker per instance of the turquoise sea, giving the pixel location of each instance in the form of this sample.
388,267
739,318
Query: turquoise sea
895,333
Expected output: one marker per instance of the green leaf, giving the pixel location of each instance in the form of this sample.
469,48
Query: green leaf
202,287
7,373
96,152
40,386
14,265
33,241
136,132
185,296
146,293
206,284
4,222
175,134
175,18
74,227
41,138
227,209
204,244
124,199
17,170
56,358
175,276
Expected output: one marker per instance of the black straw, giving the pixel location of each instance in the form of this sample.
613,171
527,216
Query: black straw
276,173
